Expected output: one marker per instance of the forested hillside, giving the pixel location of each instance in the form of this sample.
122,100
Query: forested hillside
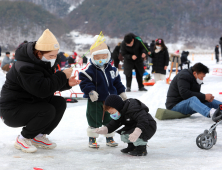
174,20
58,7
25,20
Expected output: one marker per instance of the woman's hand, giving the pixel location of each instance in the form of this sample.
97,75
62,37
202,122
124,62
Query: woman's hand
68,72
149,53
165,67
73,81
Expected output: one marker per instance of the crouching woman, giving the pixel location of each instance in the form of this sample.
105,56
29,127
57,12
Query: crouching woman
27,97
139,124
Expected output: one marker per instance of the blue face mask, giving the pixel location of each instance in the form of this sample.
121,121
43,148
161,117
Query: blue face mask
115,116
100,62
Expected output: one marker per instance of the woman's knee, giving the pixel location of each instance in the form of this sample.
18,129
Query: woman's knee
48,112
59,101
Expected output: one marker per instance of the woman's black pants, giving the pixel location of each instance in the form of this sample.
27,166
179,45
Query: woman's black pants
36,118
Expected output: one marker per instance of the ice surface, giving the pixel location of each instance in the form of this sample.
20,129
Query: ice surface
172,147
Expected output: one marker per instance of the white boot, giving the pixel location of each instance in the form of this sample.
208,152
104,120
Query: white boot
43,142
212,111
25,145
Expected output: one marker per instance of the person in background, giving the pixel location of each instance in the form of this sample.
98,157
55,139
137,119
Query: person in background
133,52
184,59
217,53
74,55
220,42
152,46
63,59
6,62
160,58
85,59
115,55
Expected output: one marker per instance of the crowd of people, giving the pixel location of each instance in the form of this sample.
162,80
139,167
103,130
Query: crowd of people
28,100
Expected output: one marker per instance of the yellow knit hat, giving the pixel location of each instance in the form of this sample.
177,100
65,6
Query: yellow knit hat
47,42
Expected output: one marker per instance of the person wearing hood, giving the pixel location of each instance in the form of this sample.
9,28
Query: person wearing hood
7,61
27,97
99,80
139,124
184,94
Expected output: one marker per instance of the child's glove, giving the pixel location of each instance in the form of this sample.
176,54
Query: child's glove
123,96
135,135
102,130
93,96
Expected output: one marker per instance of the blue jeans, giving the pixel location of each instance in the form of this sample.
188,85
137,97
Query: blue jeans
194,105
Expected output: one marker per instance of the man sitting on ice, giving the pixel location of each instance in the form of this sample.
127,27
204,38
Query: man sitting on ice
184,94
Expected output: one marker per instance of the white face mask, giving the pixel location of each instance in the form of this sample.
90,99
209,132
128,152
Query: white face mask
52,61
199,81
158,47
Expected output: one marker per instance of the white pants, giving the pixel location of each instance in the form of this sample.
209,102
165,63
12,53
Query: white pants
158,76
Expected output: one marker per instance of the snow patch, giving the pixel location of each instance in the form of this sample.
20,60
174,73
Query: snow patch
155,97
71,8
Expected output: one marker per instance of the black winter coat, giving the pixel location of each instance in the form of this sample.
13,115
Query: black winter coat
30,80
115,53
182,87
220,41
71,60
216,50
184,56
160,60
134,114
127,52
152,47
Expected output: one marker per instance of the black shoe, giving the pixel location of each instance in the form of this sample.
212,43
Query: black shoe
142,89
139,151
129,148
128,89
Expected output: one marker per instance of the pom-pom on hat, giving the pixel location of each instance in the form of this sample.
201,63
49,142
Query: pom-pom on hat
47,42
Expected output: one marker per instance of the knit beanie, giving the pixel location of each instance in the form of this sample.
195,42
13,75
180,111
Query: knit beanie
47,42
114,101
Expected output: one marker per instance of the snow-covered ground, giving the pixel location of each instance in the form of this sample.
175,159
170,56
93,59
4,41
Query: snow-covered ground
172,147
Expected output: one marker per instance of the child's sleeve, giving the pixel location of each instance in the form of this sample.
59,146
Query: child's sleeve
86,84
118,84
142,119
113,125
